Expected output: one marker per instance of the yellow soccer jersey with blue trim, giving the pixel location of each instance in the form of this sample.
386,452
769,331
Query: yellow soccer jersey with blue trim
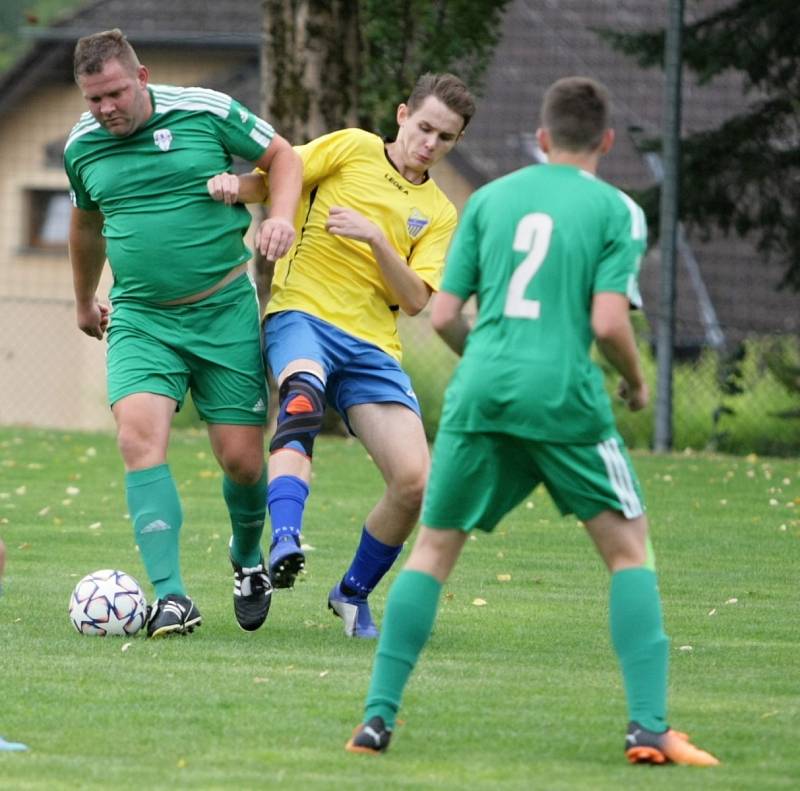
338,279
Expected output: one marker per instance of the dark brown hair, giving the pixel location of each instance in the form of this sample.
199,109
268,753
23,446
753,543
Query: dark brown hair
93,52
576,111
448,89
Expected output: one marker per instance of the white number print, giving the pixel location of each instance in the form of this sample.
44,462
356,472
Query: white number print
532,237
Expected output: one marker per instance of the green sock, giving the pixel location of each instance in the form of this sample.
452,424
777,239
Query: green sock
638,637
407,624
247,506
155,511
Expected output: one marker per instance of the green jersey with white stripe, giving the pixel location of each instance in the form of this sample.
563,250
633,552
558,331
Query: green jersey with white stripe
166,238
534,247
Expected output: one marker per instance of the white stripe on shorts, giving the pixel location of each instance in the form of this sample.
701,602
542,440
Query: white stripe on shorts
620,477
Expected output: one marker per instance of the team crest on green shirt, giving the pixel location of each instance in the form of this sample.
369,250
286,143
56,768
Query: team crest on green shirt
163,139
416,223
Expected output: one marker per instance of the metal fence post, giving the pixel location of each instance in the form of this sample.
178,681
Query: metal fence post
668,226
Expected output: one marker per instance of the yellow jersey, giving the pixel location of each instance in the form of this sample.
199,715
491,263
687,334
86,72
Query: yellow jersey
338,279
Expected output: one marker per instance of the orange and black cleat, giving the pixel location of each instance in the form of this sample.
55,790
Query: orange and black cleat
648,747
371,738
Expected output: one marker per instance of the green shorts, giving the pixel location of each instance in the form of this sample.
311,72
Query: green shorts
212,347
476,479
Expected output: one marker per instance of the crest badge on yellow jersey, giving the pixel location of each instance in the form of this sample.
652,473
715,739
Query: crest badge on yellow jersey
417,222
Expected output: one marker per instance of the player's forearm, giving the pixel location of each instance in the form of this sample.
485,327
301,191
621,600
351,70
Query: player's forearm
410,290
286,182
454,334
449,322
252,188
87,253
618,346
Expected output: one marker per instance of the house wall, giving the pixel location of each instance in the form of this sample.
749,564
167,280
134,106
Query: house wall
50,373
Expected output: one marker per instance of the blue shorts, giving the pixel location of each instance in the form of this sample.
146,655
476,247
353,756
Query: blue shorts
356,372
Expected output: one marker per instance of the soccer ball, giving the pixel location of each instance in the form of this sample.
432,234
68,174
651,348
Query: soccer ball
108,602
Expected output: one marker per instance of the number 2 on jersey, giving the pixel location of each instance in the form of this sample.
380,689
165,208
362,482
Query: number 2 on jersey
532,237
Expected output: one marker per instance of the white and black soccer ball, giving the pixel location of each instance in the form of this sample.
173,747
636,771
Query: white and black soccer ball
108,602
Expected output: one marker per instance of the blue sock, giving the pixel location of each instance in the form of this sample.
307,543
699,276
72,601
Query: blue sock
372,560
286,499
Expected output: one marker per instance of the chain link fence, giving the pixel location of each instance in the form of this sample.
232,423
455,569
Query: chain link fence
737,342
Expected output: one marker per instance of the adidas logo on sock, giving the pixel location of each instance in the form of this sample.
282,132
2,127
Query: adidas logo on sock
156,527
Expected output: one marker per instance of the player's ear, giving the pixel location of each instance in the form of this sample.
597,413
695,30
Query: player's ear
142,75
543,139
607,143
402,114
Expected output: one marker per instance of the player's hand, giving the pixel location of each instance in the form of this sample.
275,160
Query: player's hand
635,396
93,319
224,187
274,237
350,223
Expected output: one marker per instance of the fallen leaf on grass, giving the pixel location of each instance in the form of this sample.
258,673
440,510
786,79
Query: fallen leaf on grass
45,511
95,525
686,648
732,601
503,577
324,673
125,647
260,680
479,602
712,611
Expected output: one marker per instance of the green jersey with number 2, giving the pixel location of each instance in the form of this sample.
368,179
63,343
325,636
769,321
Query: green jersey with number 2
534,248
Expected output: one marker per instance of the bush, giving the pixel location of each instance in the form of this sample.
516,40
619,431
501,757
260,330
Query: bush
736,404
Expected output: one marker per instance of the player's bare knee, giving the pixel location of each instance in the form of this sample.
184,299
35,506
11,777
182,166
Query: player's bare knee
244,469
137,446
408,489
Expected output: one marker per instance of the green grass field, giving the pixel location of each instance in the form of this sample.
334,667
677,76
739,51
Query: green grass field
520,693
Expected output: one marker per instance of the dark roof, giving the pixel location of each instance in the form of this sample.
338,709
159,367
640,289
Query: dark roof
233,25
229,23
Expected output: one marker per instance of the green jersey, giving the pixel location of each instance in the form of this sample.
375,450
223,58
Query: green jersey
166,238
534,247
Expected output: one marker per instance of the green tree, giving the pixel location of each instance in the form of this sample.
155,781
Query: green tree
333,63
743,176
